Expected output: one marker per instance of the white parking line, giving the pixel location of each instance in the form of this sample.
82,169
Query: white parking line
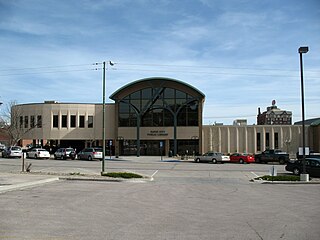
255,174
154,173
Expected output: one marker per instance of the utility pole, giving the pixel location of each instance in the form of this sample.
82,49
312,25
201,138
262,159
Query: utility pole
103,117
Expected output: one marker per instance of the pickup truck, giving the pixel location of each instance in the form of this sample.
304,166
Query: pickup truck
272,155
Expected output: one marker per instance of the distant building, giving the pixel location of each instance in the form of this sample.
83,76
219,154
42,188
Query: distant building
274,116
240,122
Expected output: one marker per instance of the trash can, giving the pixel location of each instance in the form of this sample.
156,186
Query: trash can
170,153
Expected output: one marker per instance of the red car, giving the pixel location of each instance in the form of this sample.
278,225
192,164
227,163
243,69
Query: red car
241,158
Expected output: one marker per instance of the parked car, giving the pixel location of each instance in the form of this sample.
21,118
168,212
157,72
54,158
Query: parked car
312,167
241,158
12,152
38,153
213,157
312,154
2,147
90,154
64,153
272,155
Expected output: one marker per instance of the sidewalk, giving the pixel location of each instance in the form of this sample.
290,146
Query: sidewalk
14,181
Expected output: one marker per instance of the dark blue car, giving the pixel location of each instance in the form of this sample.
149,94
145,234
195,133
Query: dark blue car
312,167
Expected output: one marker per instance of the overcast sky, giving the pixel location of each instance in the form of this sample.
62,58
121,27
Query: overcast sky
241,54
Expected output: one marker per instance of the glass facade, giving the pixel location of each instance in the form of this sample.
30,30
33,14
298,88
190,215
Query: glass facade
156,108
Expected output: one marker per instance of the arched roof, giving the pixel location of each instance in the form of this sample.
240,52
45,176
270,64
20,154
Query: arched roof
156,82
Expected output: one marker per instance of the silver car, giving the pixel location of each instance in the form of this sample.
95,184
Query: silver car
213,157
90,154
64,153
12,152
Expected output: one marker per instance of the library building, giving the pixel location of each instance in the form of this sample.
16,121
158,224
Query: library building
152,116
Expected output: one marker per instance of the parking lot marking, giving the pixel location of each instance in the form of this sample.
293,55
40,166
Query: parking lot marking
154,173
255,174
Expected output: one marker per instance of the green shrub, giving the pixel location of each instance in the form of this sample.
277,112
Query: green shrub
121,175
279,178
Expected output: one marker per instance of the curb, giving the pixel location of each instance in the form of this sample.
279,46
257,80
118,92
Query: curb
284,182
104,179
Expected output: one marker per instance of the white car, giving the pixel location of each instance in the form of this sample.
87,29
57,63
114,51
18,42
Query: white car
213,157
38,153
12,152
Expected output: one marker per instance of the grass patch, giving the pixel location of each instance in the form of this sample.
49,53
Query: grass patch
121,175
279,178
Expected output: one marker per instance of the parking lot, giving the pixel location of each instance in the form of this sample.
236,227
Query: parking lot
185,200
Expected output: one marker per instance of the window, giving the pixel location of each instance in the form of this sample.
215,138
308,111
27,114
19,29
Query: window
21,122
267,141
32,122
39,121
258,141
73,121
276,140
55,122
81,121
90,121
156,106
64,122
26,121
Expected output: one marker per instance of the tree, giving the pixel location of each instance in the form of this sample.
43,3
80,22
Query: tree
15,123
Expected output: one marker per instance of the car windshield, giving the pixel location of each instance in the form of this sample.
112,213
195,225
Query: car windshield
16,148
69,149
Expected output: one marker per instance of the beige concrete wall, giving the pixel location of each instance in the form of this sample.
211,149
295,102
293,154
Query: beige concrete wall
47,111
229,139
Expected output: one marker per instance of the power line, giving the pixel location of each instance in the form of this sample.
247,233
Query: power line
212,67
61,71
44,67
168,70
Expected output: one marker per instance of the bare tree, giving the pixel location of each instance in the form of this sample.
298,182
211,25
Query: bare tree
15,124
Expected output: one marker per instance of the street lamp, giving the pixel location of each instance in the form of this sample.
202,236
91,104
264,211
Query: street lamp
304,176
104,114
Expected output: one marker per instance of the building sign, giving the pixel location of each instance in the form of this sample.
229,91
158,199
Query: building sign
157,133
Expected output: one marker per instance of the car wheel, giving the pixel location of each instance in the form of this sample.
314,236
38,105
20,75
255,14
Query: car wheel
197,160
296,171
281,161
214,161
241,161
90,158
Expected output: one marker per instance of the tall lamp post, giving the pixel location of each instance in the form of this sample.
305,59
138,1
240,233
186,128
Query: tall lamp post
304,176
104,114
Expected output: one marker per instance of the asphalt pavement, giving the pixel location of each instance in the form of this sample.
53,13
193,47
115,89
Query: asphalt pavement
185,200
47,171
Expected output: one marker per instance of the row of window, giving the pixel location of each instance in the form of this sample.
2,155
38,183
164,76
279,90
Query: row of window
157,106
30,121
267,141
73,120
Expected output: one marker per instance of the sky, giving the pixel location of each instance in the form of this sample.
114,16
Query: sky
241,54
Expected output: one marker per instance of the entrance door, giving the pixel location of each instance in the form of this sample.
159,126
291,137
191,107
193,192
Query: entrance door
152,148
